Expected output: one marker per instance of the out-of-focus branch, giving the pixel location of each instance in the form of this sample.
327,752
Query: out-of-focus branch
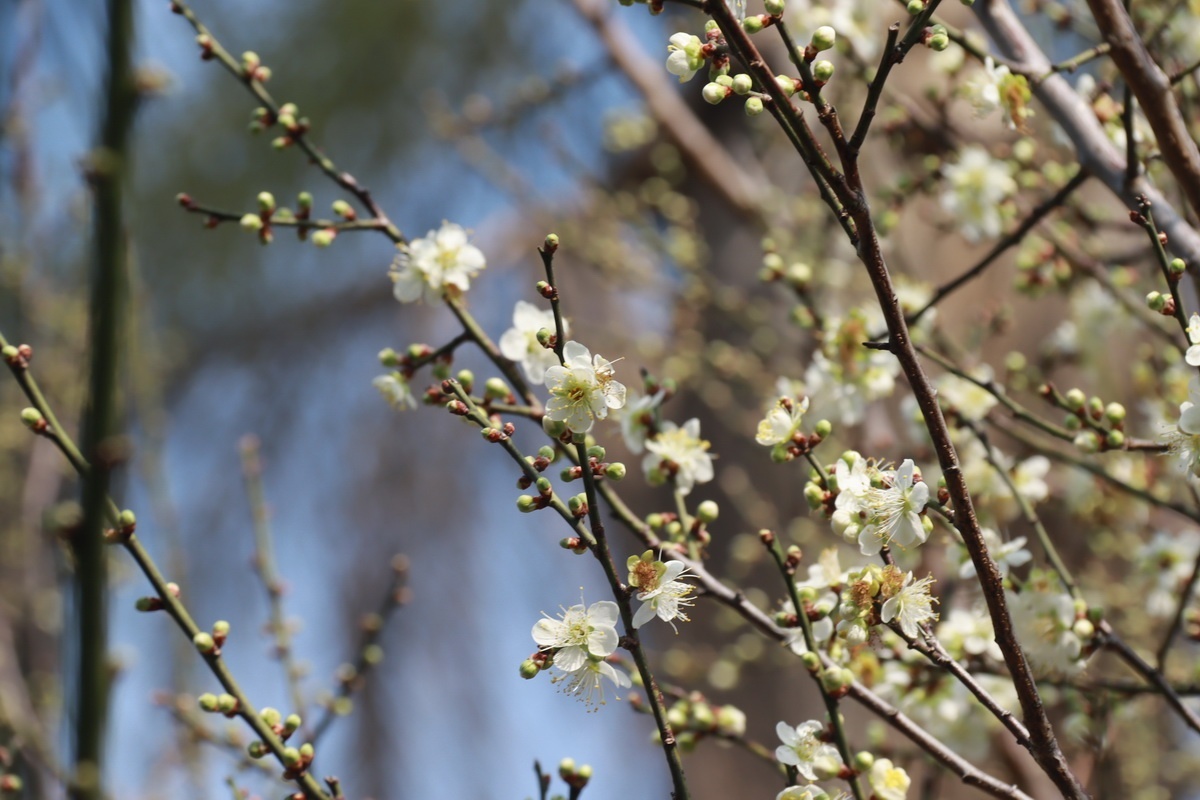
1152,87
1096,153
708,157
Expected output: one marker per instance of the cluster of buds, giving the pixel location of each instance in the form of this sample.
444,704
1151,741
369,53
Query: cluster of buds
223,703
260,222
209,644
575,776
19,356
599,467
253,69
693,718
126,525
1099,426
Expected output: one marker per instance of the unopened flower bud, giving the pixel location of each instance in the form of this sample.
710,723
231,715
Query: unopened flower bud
529,669
226,703
324,237
304,202
615,471
915,7
1084,629
207,702
814,495
714,93
708,511
836,680
731,721
811,661
823,38
939,42
204,643
291,756
270,716
467,379
1156,301
554,428
823,71
753,107
266,202
1114,412
307,751
863,760
566,768
1114,440
1177,266
257,749
343,209
32,418
251,222
526,504
1087,442
1075,399
742,83
788,85
752,24
292,724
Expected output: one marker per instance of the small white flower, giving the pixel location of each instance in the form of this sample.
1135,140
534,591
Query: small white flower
802,793
983,89
1192,357
638,419
1030,478
1167,559
911,607
519,343
685,57
579,635
801,748
976,187
585,682
969,400
1006,554
781,422
659,589
969,631
440,262
888,781
1044,623
895,513
681,454
395,390
583,389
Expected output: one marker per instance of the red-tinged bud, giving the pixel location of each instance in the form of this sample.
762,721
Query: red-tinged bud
184,200
766,537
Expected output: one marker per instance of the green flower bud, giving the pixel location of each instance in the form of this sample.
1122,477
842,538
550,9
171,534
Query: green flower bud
204,643
266,202
1114,412
257,749
863,761
31,417
551,242
811,661
1084,629
1114,439
752,24
583,774
615,471
554,428
1177,266
251,222
823,71
1075,399
526,504
915,7
939,42
292,723
753,106
495,389
226,703
1095,407
207,702
814,495
220,628
291,756
304,201
788,85
1156,301
714,93
270,716
708,511
389,357
742,83
824,428
836,679
529,669
566,768
576,503
467,379
307,751
343,209
823,38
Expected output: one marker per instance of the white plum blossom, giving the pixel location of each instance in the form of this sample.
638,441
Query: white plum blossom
888,781
659,589
1192,357
395,389
850,507
580,635
1044,622
520,343
969,400
1006,554
969,632
685,56
911,607
1168,559
802,793
585,682
803,750
895,513
638,419
976,187
681,454
1184,439
983,89
782,421
440,262
582,390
